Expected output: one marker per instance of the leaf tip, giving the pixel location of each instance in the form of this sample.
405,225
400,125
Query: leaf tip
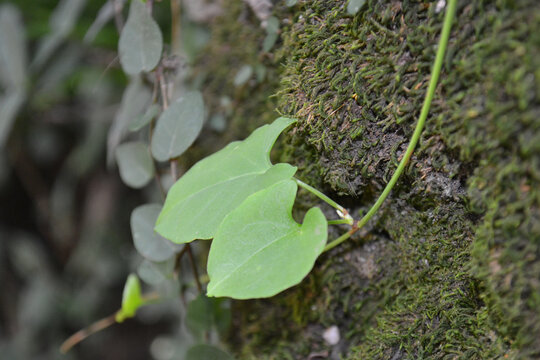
286,121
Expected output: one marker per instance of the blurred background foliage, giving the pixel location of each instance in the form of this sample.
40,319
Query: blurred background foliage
66,247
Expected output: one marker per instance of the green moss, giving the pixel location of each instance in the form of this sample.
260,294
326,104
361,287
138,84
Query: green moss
449,269
458,276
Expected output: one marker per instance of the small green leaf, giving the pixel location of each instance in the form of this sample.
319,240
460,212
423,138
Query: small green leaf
216,185
243,75
178,126
138,122
141,42
131,299
259,250
135,164
148,243
291,3
354,6
207,352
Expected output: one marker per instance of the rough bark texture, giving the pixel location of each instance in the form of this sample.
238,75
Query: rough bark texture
450,267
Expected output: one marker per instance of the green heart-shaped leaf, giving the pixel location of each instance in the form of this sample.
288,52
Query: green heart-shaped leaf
259,250
198,202
141,42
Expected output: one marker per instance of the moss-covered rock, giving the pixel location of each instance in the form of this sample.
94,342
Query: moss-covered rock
450,267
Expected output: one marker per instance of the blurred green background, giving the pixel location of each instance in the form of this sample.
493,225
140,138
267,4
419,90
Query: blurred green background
66,248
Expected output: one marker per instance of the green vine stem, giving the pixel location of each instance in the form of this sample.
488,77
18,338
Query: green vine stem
340,221
443,42
101,325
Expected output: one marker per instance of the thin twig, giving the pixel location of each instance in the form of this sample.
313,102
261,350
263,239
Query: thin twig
163,86
160,185
100,325
151,134
187,246
175,26
86,332
177,260
194,268
174,172
174,169
176,272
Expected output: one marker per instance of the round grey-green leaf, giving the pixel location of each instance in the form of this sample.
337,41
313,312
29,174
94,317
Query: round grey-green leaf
291,3
178,126
141,42
135,164
148,243
354,6
206,352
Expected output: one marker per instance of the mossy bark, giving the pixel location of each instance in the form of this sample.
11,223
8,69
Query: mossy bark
450,267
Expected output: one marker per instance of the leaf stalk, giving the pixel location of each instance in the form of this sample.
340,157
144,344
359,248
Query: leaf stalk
320,195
